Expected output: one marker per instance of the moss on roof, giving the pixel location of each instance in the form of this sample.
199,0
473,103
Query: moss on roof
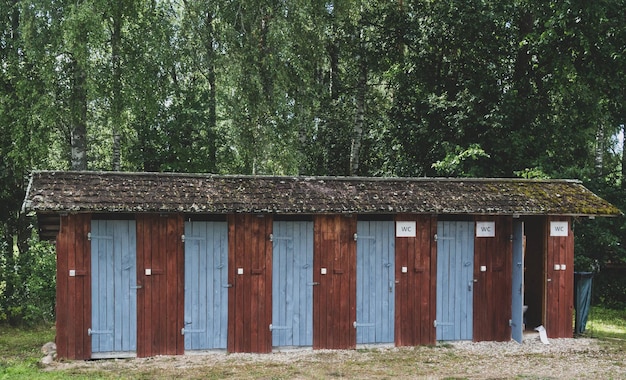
59,191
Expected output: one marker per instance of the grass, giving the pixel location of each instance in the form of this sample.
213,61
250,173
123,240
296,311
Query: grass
20,352
606,323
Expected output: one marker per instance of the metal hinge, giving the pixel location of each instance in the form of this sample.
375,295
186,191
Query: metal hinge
91,332
89,236
355,236
271,239
182,331
435,237
435,323
510,323
182,238
273,327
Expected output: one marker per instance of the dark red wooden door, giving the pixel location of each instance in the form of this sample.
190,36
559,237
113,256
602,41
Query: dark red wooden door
492,286
559,279
73,302
334,272
416,269
250,274
160,276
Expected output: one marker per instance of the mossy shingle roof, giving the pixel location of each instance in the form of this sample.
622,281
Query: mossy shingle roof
100,192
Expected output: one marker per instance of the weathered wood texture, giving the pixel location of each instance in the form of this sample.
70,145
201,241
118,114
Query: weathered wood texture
416,289
334,299
559,282
250,272
375,281
492,291
73,306
206,279
160,300
113,287
292,284
211,194
455,274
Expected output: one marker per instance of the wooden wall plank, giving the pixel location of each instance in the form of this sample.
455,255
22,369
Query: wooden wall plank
63,323
249,300
143,292
73,293
233,318
492,292
559,282
160,312
334,298
416,289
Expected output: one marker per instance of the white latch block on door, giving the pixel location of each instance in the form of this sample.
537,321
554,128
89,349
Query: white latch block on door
483,268
239,270
323,271
148,272
405,269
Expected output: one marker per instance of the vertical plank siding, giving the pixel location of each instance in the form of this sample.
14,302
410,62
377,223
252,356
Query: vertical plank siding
416,288
559,282
292,284
455,286
492,291
314,284
206,281
250,273
334,301
517,282
114,279
375,274
160,300
73,293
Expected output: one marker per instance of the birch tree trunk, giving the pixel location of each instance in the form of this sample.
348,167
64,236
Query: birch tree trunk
116,101
359,123
78,135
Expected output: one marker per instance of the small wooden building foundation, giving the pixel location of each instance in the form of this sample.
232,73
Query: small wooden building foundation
162,264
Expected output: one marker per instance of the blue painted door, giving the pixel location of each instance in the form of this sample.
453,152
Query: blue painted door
455,280
292,283
113,288
375,282
206,285
517,318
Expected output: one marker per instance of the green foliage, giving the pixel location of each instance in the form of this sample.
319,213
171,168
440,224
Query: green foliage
494,89
454,165
33,279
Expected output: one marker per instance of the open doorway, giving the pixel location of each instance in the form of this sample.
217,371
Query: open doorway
534,272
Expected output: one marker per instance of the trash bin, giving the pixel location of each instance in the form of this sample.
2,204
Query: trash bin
582,299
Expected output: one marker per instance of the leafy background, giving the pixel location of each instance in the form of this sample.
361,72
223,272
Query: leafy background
483,88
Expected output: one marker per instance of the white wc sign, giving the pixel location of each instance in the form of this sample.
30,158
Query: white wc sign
485,229
405,229
559,228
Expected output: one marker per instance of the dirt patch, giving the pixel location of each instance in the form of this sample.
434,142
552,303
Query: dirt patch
563,358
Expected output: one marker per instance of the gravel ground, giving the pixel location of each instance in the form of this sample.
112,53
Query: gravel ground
580,358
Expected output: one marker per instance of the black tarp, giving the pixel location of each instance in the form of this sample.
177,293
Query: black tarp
582,299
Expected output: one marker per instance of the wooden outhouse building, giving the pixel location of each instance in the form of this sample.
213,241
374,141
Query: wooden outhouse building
156,263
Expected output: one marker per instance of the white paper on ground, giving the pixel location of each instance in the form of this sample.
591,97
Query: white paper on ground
542,334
